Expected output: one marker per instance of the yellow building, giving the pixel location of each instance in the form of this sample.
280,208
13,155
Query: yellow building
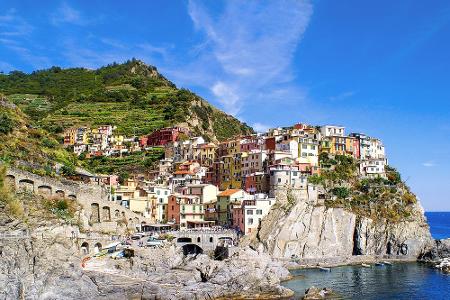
70,136
231,172
206,154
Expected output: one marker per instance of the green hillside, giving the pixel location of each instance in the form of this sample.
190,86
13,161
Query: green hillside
133,96
33,149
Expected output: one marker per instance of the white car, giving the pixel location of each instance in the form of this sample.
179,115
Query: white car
154,242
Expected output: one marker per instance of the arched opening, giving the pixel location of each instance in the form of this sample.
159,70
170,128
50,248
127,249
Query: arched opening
73,197
389,248
117,213
198,240
95,213
192,249
60,194
27,185
123,215
10,180
184,240
106,214
45,190
85,248
97,247
211,239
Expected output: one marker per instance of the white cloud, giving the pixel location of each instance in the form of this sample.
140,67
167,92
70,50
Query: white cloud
248,49
12,25
67,14
428,164
226,96
260,128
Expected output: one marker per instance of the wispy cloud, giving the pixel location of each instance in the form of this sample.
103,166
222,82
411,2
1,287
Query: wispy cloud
247,51
259,127
12,25
428,164
342,96
78,53
67,14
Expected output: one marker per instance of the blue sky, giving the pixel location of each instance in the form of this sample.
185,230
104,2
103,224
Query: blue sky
379,67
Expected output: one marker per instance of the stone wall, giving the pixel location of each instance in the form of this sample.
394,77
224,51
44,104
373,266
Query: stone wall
100,214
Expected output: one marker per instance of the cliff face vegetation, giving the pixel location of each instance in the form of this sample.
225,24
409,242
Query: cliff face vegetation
342,216
132,96
375,198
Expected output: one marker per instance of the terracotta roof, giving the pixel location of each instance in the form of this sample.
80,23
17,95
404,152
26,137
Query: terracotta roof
183,172
228,192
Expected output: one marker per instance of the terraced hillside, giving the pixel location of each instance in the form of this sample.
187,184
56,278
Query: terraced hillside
33,148
133,96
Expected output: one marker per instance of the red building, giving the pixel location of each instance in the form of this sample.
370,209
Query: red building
173,210
270,143
165,135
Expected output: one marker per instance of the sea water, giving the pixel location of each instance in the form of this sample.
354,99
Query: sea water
399,281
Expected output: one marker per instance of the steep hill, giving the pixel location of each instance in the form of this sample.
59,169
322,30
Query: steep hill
33,148
133,96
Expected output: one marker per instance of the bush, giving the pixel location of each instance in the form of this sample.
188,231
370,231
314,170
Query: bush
6,124
315,179
341,192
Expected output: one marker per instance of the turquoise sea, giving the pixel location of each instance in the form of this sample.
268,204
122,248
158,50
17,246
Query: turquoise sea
399,281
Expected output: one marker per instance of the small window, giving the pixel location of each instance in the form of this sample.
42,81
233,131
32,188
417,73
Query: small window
259,211
249,212
250,221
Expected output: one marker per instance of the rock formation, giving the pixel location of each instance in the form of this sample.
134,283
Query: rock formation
306,229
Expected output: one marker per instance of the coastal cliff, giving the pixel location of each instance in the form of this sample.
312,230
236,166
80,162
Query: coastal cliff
304,228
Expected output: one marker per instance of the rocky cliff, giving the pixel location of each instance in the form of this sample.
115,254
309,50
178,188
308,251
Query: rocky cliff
302,227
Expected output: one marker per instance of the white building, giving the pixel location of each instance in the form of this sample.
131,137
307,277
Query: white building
373,167
308,149
283,176
331,130
255,210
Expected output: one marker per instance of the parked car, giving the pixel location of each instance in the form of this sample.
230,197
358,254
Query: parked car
154,242
137,236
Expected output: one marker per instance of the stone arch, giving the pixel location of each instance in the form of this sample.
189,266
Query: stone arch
97,247
44,190
85,248
26,184
106,214
72,196
60,193
10,180
117,214
192,249
95,213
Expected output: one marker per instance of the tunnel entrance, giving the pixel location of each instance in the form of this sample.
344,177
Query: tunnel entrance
192,249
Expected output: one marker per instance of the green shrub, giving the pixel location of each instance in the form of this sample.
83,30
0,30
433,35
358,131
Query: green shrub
341,192
6,123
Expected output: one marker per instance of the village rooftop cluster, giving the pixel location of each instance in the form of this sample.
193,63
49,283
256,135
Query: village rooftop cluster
232,183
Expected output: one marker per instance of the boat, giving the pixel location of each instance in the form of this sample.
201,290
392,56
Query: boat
387,263
366,266
379,264
325,269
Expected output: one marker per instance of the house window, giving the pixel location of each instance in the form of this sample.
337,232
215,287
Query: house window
279,180
250,221
249,212
259,211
